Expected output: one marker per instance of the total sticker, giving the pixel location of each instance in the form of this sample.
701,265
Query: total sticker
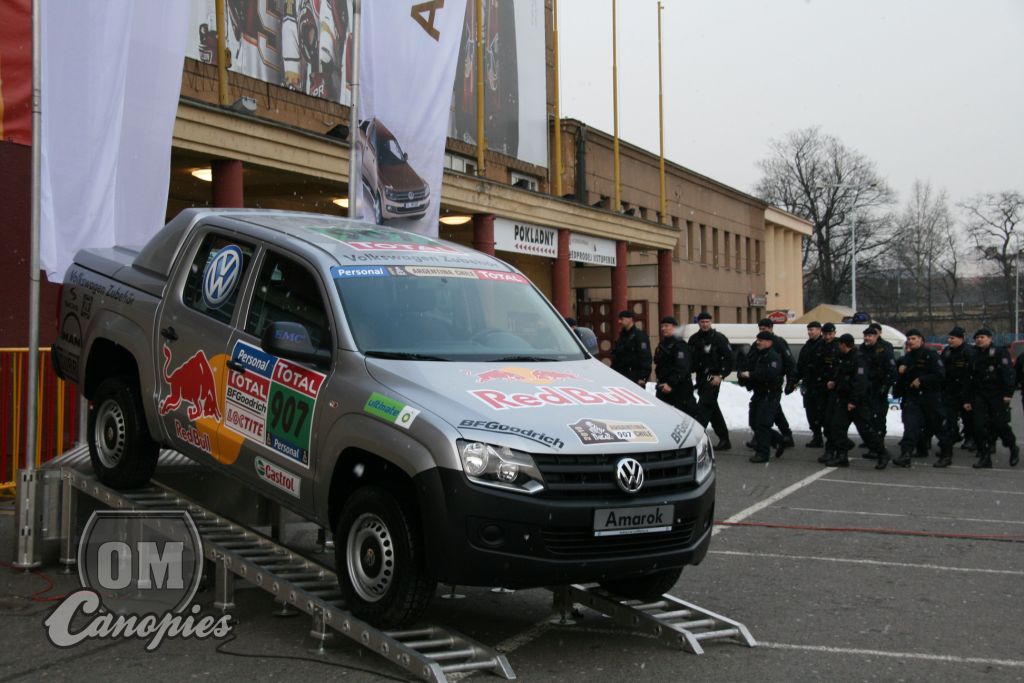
390,410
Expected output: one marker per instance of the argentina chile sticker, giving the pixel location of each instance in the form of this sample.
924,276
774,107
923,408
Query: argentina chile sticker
221,276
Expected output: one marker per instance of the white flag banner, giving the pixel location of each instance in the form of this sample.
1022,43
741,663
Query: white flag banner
110,79
407,70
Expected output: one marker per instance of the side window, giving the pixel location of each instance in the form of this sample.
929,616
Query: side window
288,292
212,285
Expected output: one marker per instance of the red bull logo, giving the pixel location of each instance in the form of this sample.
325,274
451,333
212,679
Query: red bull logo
559,396
191,382
527,375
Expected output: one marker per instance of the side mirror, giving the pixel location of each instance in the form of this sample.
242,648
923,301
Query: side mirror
291,341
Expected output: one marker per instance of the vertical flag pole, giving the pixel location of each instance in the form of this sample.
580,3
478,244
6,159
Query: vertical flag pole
558,115
27,553
663,206
222,55
355,152
617,205
481,143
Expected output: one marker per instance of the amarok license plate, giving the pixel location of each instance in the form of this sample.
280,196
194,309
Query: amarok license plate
623,521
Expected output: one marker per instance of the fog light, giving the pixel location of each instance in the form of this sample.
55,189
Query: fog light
508,471
492,534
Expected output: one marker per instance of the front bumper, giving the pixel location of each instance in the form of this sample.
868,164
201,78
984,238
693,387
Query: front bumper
477,536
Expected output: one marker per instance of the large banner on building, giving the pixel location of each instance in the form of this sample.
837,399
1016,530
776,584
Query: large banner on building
305,45
408,55
110,78
515,80
16,71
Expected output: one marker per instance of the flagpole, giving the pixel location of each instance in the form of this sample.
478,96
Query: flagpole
617,206
663,206
481,143
222,54
355,152
558,116
27,555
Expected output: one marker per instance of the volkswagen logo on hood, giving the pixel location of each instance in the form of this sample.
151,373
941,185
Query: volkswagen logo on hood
629,475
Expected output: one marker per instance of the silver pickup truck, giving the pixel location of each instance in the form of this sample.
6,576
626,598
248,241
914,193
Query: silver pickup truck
421,399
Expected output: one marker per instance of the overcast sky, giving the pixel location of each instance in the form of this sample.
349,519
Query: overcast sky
928,89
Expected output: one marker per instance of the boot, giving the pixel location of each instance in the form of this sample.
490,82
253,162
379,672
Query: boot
969,444
1014,455
781,448
840,459
723,445
815,442
883,460
984,462
826,456
758,458
945,457
751,444
921,452
870,455
787,441
903,460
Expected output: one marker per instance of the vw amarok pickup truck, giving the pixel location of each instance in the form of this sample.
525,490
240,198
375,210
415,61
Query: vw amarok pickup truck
421,399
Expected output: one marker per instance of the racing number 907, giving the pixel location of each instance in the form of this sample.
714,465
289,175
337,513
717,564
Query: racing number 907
287,412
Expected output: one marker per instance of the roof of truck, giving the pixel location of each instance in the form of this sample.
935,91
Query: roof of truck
349,241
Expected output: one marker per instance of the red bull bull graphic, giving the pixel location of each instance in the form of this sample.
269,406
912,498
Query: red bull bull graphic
559,396
528,375
193,383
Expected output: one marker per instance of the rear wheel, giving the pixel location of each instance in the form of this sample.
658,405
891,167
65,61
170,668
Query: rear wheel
379,557
122,452
647,587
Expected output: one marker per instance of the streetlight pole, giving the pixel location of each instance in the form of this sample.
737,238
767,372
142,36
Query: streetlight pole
853,234
1016,289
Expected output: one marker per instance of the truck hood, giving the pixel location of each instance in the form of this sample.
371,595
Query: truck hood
571,406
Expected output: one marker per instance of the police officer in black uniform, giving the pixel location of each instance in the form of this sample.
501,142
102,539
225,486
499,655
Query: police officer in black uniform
848,397
919,386
958,359
881,370
673,365
991,392
808,369
631,355
764,376
781,347
712,361
829,350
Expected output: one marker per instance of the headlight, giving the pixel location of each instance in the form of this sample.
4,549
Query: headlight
500,466
705,460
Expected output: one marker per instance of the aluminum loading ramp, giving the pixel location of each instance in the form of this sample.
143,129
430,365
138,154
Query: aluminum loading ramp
431,653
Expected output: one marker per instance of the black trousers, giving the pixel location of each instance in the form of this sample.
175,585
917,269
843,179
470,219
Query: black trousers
764,409
953,405
781,422
991,420
840,417
681,398
923,416
708,411
836,438
815,398
878,407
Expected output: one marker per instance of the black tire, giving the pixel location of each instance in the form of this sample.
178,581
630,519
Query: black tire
122,452
648,587
378,549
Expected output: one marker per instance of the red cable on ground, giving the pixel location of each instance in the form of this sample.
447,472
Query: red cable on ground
38,595
1006,538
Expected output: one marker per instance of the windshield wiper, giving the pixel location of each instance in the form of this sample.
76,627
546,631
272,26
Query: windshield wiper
402,355
524,359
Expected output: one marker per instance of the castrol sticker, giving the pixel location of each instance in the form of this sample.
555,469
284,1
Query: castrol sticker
272,401
278,477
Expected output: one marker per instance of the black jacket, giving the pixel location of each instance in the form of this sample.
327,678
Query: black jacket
781,347
712,355
923,364
880,363
958,364
765,368
809,364
673,363
851,377
631,355
991,372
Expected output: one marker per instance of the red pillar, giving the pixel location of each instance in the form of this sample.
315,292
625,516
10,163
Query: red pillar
227,184
560,278
664,283
620,278
483,233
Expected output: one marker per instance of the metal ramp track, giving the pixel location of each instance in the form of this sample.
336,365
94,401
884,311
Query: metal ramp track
675,622
431,653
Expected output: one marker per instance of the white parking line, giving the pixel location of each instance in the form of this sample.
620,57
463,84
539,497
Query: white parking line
952,659
921,486
877,563
893,514
757,507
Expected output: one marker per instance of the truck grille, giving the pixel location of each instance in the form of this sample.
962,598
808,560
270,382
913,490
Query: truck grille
593,474
582,544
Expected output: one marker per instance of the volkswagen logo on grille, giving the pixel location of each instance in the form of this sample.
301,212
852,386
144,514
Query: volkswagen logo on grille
629,475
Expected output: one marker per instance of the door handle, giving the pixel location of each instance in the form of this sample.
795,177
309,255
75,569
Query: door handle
235,365
169,333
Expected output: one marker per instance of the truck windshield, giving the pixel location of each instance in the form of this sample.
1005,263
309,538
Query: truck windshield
454,314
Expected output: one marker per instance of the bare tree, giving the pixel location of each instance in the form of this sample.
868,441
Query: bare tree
838,190
991,219
949,269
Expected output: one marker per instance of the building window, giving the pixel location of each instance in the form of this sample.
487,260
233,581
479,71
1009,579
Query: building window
459,164
757,256
714,248
680,246
725,242
690,313
717,314
703,309
676,312
750,315
737,255
750,260
739,314
643,212
690,249
703,244
523,181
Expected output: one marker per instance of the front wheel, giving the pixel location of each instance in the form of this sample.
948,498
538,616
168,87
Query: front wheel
122,452
379,557
648,587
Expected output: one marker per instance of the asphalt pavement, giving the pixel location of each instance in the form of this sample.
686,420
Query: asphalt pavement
843,574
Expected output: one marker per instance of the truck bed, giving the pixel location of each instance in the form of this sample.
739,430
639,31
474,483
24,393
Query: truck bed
116,264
